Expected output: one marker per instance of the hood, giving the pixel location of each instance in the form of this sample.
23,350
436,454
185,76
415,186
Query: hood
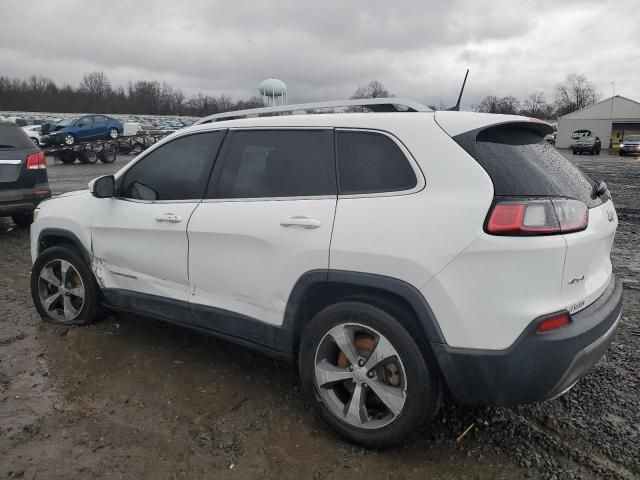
73,194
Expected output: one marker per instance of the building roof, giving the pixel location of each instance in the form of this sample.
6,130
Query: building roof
617,107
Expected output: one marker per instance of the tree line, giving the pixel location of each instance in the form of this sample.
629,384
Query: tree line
574,93
95,94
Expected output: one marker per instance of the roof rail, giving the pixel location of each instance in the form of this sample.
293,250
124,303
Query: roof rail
373,104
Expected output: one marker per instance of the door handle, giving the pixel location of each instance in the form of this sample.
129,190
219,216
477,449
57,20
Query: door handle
304,222
169,218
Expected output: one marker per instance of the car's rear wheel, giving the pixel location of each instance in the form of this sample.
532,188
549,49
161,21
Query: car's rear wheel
88,156
23,220
63,288
35,140
366,375
69,139
113,133
108,155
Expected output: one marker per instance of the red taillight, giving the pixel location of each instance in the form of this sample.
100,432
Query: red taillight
555,322
36,161
537,217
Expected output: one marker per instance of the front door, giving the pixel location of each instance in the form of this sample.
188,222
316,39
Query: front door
140,237
267,220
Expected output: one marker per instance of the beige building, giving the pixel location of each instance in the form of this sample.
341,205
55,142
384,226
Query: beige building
609,119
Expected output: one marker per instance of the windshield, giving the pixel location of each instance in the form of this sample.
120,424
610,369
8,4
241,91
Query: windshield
586,140
67,121
632,138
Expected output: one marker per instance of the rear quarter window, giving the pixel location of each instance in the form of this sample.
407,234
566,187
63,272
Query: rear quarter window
520,163
370,162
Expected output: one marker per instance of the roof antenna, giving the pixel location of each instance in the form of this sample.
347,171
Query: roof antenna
456,107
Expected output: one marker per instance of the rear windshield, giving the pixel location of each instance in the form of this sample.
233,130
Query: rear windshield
13,137
521,163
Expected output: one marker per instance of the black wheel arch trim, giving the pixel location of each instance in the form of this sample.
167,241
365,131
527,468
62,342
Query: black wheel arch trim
67,235
395,286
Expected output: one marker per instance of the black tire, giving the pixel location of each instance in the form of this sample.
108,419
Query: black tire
67,157
620,154
91,309
88,156
113,133
35,140
107,155
23,220
574,152
423,385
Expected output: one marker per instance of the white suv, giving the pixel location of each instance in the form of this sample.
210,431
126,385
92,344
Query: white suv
392,255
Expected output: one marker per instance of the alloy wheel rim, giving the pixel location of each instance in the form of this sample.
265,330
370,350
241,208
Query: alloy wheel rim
68,140
61,290
113,133
360,377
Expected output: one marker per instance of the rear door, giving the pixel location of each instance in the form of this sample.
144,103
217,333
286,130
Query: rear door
267,220
16,181
100,126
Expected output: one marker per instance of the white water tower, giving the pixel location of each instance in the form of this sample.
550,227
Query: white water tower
273,91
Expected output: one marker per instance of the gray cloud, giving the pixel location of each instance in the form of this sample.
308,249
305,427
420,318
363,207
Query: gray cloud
324,50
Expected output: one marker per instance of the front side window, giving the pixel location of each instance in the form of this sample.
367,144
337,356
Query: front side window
85,121
178,170
276,163
370,162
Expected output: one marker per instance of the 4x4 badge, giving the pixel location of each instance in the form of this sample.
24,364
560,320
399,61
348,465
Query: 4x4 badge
610,215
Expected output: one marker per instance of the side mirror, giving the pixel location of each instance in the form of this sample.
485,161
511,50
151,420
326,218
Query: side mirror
103,187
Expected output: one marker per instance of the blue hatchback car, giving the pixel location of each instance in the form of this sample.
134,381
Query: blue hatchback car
83,127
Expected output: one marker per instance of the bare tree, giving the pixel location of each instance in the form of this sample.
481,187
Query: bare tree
493,104
575,93
374,89
97,88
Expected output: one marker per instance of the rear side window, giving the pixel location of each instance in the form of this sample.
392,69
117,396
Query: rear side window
13,137
276,163
520,163
178,170
371,162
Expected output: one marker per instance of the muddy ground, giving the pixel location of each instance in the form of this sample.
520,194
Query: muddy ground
135,398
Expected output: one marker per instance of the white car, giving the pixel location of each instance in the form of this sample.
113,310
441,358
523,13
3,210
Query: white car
34,133
392,256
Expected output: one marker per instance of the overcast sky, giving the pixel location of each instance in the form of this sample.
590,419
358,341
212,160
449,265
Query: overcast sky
324,49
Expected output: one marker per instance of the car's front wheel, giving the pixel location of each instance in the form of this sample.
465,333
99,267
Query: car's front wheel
113,133
69,139
63,288
366,375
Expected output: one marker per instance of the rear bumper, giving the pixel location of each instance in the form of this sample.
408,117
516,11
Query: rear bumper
537,366
23,200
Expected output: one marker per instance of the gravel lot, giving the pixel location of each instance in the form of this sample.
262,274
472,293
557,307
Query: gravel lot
134,398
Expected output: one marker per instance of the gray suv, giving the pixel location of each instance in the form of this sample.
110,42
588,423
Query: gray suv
23,175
